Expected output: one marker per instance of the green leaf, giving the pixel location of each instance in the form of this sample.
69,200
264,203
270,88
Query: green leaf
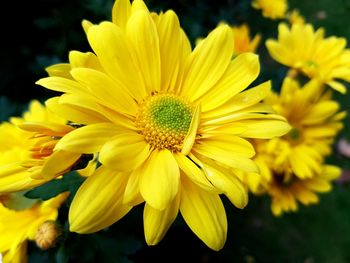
70,182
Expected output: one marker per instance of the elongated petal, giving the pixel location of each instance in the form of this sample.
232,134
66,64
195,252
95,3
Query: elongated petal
157,222
242,71
104,88
132,194
74,113
192,131
88,139
208,62
114,51
169,32
194,172
225,157
228,183
265,129
61,84
58,163
143,35
204,213
15,178
124,152
98,202
121,12
160,179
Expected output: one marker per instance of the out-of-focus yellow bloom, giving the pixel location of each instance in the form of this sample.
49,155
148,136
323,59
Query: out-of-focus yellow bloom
28,158
315,119
291,167
167,122
287,190
273,9
242,40
19,226
301,48
294,17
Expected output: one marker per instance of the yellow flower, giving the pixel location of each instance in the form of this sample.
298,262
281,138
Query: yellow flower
315,120
287,190
309,52
19,226
166,121
294,17
28,158
273,9
242,41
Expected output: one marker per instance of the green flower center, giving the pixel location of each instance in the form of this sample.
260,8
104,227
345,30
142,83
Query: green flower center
164,121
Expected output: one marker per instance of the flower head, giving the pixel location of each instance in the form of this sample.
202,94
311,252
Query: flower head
287,190
315,120
242,40
19,226
309,52
274,9
27,149
168,122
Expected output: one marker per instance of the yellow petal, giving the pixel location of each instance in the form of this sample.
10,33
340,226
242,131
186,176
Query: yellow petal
72,112
242,71
88,139
226,157
121,12
241,101
204,213
61,84
15,178
265,129
320,112
124,152
58,163
157,222
159,183
59,70
111,45
194,172
229,184
169,32
132,194
142,34
208,62
93,209
192,131
106,90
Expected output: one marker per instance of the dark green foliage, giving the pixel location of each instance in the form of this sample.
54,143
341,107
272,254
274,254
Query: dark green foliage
70,182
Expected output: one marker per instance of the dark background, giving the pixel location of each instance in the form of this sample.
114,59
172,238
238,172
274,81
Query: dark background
39,33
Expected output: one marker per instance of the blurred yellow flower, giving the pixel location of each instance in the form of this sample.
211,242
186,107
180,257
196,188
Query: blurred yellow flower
294,17
19,226
315,119
28,158
273,9
168,122
287,190
242,41
309,52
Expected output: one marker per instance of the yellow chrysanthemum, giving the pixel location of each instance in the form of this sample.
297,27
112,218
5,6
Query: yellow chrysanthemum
167,122
273,9
242,41
27,151
19,226
315,119
287,190
294,17
309,52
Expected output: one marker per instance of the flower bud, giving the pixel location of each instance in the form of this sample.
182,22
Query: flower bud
48,234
